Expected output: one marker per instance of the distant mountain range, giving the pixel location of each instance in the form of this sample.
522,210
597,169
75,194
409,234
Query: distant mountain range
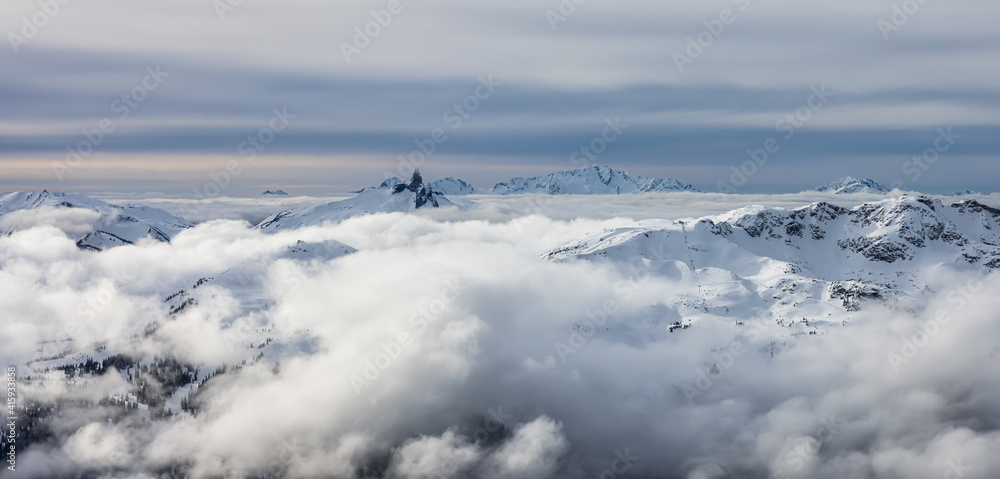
112,225
400,197
250,277
596,180
452,186
851,185
446,186
604,180
799,266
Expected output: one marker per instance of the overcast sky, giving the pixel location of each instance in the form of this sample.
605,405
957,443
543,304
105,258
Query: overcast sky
692,111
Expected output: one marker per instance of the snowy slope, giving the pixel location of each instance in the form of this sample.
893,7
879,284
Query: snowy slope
596,180
112,225
403,197
813,262
445,186
250,279
849,185
387,184
452,186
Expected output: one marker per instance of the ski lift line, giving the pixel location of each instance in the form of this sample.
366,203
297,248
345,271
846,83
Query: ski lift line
694,269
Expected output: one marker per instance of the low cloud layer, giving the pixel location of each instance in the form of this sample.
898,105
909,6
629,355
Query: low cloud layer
449,348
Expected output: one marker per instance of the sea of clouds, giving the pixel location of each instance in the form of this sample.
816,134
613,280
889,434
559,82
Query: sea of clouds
439,350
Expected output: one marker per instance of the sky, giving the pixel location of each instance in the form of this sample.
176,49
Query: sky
168,97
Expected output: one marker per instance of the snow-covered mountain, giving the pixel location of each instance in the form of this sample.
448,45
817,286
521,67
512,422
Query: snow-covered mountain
811,263
964,193
106,225
452,186
445,186
403,197
596,180
250,278
848,185
385,185
274,193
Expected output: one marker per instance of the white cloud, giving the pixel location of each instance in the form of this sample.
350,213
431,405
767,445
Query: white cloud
74,221
482,314
534,451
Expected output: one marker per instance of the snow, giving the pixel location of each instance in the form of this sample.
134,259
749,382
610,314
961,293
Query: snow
813,262
850,185
403,197
385,185
596,180
786,272
452,186
112,225
173,403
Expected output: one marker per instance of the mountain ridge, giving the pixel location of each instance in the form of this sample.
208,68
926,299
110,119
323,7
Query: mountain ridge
400,197
850,185
598,179
822,254
116,226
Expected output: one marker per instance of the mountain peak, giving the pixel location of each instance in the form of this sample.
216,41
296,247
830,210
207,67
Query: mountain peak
402,197
452,186
415,185
850,185
823,252
416,181
117,225
596,179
